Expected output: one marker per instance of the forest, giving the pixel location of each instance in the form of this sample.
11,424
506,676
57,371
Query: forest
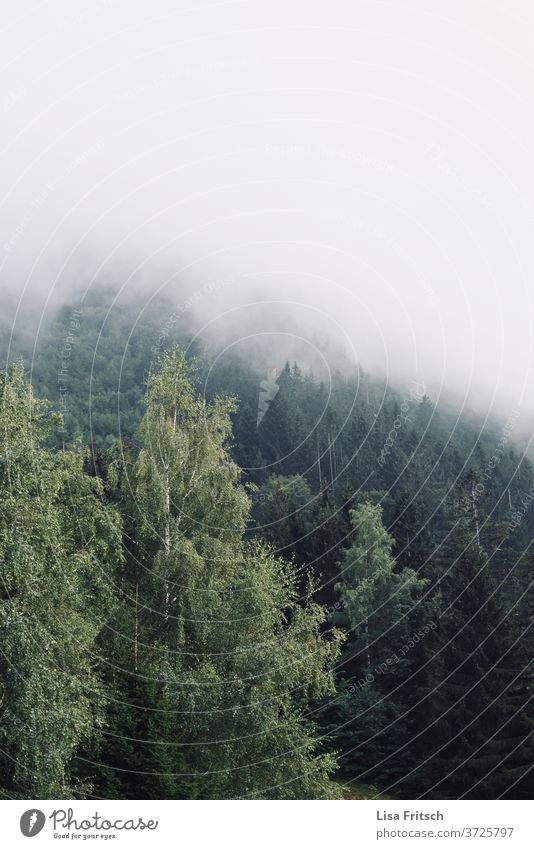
231,577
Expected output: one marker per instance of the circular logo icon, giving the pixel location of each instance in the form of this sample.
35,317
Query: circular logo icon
31,822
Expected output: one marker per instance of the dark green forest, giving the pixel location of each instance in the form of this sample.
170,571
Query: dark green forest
234,577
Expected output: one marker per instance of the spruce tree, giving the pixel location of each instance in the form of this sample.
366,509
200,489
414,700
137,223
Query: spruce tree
470,739
377,604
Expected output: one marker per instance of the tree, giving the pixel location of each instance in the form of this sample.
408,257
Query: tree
413,545
220,661
472,737
376,599
59,549
377,606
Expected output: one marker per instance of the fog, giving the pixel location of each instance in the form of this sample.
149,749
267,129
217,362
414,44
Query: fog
365,167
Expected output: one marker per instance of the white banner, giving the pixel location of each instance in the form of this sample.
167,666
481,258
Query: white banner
243,825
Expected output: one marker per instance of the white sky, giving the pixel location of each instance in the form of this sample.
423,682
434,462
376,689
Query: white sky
369,162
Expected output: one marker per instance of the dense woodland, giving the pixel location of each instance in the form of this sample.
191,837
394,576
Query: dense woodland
330,599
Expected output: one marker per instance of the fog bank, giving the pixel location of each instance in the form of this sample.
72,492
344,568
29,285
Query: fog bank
365,168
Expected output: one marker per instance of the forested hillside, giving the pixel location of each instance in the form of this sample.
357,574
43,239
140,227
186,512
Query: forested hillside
231,577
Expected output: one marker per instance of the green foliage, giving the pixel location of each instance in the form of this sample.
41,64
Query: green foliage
220,657
379,609
59,548
376,599
194,655
478,710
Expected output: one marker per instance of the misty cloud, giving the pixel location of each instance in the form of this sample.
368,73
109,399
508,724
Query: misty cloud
363,168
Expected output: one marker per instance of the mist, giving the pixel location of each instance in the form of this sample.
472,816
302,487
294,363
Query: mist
351,179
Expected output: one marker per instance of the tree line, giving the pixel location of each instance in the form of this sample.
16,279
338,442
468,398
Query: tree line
212,607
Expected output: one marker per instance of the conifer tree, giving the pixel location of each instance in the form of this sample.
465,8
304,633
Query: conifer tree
470,738
376,599
377,603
